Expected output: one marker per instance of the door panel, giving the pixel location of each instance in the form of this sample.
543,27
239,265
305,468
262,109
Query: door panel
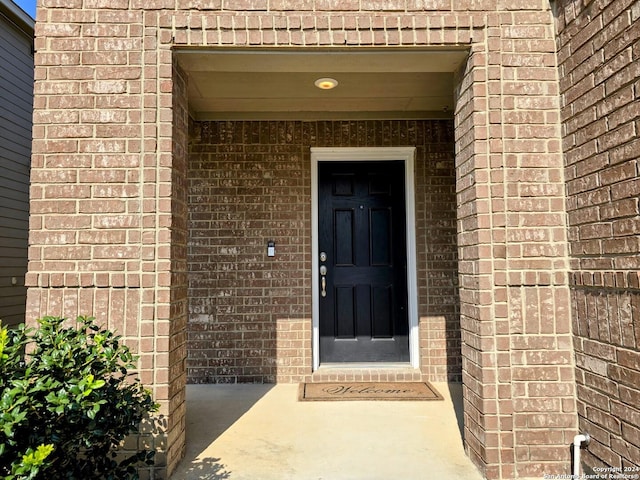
380,236
382,325
345,312
344,230
362,229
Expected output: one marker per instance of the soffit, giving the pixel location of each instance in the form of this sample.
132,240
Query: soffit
261,84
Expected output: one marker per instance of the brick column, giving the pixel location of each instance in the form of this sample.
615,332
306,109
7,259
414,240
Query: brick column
108,196
515,312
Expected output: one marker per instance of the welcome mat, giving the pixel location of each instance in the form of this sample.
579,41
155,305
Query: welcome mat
368,391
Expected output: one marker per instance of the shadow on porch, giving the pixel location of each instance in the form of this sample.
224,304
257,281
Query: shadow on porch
262,432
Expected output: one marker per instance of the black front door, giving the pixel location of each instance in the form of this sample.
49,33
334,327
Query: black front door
362,240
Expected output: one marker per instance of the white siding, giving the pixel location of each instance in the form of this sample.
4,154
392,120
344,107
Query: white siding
16,100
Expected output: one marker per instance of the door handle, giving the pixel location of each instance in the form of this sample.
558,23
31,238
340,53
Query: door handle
323,280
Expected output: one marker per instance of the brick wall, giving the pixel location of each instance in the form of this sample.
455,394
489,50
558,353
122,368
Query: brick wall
249,182
599,55
106,229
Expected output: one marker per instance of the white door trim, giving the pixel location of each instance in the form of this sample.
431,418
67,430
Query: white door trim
407,155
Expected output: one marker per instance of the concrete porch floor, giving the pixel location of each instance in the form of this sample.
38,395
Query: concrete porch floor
262,432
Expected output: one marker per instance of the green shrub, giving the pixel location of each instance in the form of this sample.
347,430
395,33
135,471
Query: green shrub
69,403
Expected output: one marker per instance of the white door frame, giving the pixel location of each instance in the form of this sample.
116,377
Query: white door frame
407,155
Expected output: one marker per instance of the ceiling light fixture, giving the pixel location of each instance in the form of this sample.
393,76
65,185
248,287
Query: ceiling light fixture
326,83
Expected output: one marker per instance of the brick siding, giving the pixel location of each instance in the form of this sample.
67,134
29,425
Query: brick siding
599,57
250,182
109,200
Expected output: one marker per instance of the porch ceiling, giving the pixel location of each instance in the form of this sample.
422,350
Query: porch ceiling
266,84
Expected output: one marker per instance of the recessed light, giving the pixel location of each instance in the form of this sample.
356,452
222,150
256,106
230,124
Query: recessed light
326,83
